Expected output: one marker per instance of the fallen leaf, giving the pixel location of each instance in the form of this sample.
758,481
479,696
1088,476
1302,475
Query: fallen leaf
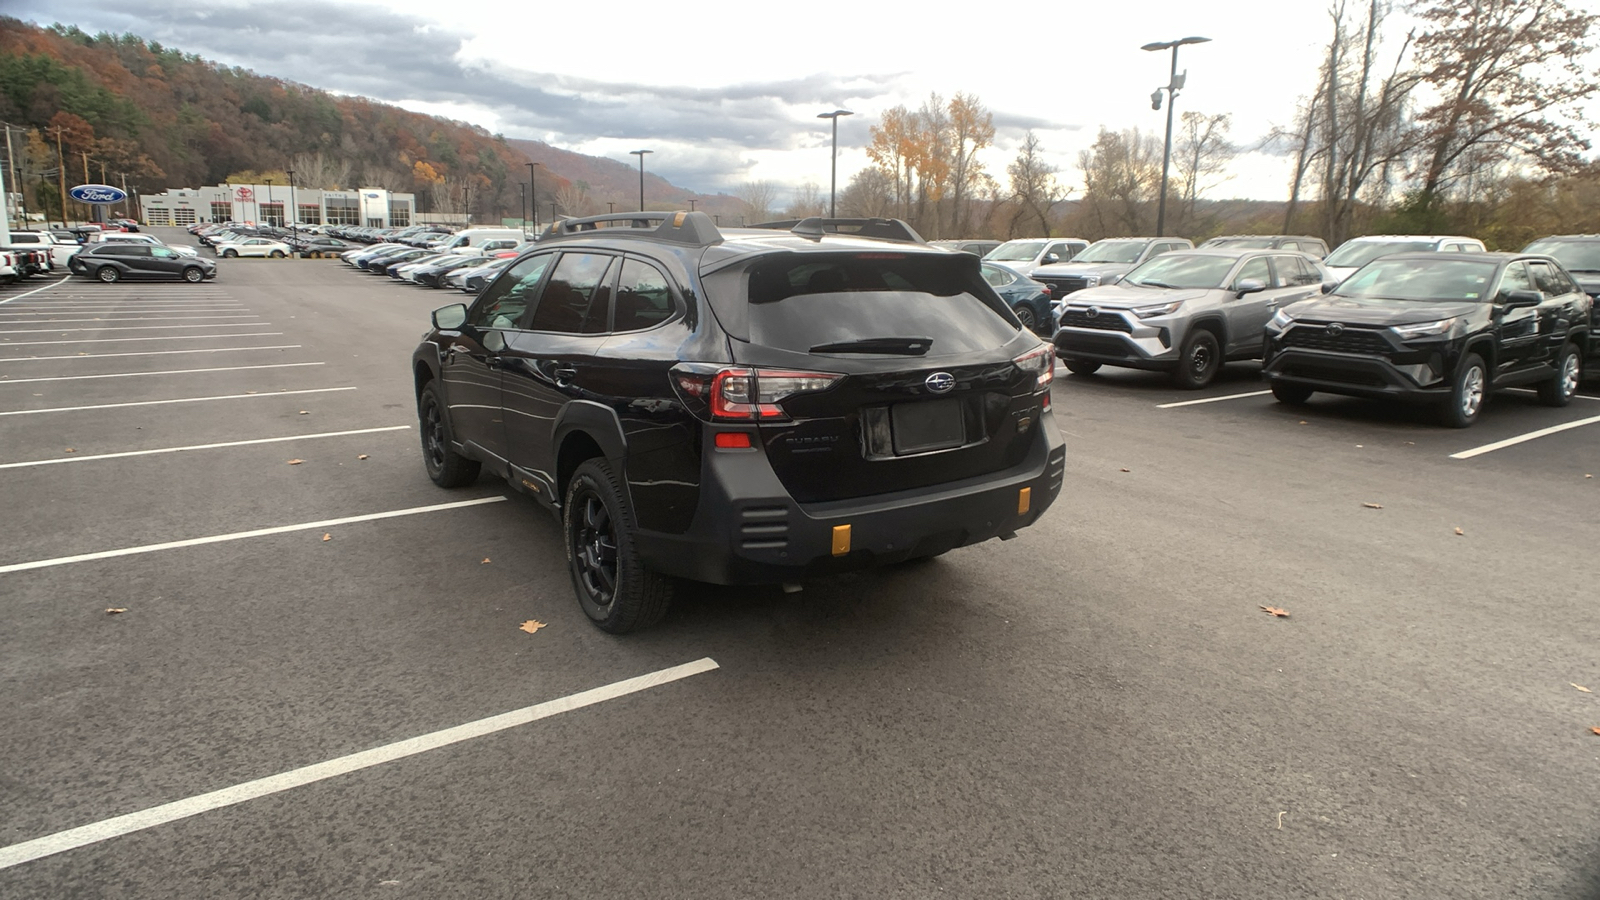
362,456
531,626
305,412
327,537
249,392
71,450
485,561
1360,446
1275,612
296,462
1588,476
1581,688
1596,729
1125,470
1373,505
1459,531
1411,443
1302,421
116,609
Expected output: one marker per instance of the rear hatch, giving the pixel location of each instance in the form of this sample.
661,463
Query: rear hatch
920,383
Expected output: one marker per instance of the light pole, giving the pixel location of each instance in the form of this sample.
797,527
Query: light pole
1174,84
833,163
524,189
269,196
692,202
294,209
533,194
640,154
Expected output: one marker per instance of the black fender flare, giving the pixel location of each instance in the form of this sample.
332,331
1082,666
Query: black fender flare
425,357
602,425
1212,323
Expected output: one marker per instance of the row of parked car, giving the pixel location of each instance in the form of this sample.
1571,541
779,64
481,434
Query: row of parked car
1426,319
465,260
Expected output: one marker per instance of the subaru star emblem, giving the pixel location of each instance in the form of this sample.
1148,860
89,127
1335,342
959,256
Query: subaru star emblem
1335,328
940,382
1091,312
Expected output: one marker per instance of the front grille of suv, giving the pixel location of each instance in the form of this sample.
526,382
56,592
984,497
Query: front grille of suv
1061,286
1351,340
1075,317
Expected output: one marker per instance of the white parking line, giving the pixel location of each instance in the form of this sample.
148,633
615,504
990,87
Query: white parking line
6,359
167,372
1532,391
121,319
1524,438
127,453
135,328
1211,400
7,342
257,395
242,535
37,290
62,841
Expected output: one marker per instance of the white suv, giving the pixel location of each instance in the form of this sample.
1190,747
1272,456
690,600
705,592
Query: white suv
1023,255
1357,252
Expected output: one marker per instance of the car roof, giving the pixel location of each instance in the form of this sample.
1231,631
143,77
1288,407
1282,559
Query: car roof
1235,252
1489,256
1412,237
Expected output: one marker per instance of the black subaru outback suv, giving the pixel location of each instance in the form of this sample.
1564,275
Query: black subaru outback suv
1442,328
750,406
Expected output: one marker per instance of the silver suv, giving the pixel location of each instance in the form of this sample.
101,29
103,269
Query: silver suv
1186,312
1104,262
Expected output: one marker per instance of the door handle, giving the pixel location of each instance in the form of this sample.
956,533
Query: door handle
495,362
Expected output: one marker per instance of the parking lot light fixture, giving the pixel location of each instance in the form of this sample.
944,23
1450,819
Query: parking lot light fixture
1174,83
269,199
833,165
294,208
640,154
533,195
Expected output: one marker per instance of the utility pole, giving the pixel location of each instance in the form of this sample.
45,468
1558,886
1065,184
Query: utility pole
61,176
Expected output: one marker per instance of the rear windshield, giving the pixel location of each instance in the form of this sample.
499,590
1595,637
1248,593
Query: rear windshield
798,302
1016,251
1111,252
1577,256
1355,254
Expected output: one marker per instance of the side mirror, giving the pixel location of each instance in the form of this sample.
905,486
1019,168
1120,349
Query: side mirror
1249,286
1051,258
1329,287
450,318
1523,299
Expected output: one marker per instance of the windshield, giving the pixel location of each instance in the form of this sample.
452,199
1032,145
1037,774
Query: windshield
1242,243
1182,271
1111,252
1577,256
1355,254
1444,279
1015,251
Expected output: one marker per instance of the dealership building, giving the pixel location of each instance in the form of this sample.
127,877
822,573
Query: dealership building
277,204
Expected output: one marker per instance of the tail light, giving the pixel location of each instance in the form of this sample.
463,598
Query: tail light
1041,363
743,394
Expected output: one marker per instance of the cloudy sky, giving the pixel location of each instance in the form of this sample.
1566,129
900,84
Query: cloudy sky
727,92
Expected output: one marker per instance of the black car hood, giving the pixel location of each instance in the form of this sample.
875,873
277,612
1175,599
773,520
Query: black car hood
1364,311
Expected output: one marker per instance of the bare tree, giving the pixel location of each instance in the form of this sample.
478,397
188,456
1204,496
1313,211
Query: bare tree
1034,190
870,193
1121,175
1505,70
1203,153
807,201
572,199
971,131
758,198
318,170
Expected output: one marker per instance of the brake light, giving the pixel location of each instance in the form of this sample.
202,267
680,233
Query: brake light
755,393
733,440
1041,363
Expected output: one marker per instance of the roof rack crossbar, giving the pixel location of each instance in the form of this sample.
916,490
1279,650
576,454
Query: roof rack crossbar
695,229
816,226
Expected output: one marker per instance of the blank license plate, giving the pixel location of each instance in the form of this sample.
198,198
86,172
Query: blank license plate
930,425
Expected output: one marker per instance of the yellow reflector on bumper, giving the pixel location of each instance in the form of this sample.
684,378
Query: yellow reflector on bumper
841,540
1024,499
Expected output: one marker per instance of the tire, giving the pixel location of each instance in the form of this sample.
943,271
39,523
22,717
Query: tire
230,254
1025,316
616,591
276,254
1199,359
194,275
1292,394
1469,390
108,275
1559,390
1081,367
446,468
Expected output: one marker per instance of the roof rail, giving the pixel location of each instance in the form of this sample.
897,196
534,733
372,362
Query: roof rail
695,229
816,226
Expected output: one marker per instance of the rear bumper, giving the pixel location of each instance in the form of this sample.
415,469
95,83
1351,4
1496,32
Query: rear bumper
748,530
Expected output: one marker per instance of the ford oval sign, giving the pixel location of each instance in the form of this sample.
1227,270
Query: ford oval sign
940,382
98,193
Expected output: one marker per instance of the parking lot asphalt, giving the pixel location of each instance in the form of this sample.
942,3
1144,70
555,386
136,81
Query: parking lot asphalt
1099,708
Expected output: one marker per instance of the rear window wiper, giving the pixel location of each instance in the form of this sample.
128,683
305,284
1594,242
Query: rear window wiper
906,346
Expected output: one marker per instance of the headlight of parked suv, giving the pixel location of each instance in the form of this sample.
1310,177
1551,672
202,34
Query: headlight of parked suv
1423,329
1091,280
1280,320
1158,309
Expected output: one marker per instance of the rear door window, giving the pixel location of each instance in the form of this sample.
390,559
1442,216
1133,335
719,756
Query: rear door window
577,299
801,301
643,298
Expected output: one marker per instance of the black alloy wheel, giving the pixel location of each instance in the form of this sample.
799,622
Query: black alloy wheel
615,590
446,468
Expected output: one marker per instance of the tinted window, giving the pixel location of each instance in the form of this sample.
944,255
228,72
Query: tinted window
163,253
1293,271
643,298
1064,251
564,306
1515,278
1550,280
997,276
801,301
24,238
504,302
1255,270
